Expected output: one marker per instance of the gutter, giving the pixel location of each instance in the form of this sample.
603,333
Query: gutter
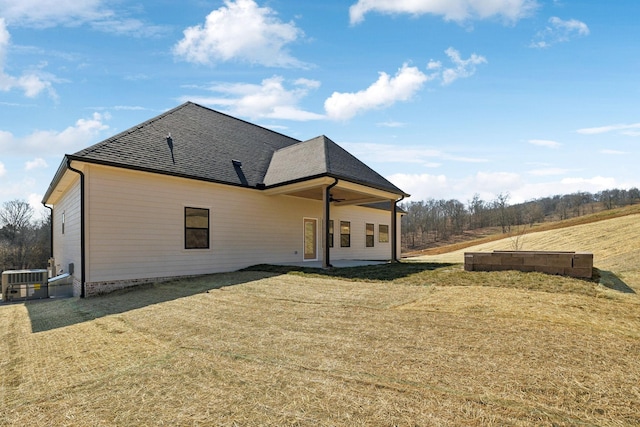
326,262
50,229
394,231
82,228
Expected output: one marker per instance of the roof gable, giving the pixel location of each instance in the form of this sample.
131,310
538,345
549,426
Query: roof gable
321,156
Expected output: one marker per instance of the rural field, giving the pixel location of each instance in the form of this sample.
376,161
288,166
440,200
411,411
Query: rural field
422,343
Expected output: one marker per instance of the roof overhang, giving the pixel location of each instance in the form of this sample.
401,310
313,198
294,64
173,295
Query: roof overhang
60,182
343,193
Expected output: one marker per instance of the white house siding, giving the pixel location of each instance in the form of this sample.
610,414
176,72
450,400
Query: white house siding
358,216
136,223
66,246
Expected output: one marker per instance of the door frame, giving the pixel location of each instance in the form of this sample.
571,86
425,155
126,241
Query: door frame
305,220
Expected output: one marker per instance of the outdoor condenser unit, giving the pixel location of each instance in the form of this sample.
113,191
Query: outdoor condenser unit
24,284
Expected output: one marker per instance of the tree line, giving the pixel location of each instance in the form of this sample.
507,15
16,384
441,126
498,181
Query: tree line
25,242
430,221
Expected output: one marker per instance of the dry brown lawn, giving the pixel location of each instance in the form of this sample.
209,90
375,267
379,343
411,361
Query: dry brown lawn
419,345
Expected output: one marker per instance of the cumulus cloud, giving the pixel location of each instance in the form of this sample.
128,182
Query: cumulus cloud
488,185
3,170
544,143
31,83
41,143
623,129
224,37
384,92
38,163
450,10
559,31
270,99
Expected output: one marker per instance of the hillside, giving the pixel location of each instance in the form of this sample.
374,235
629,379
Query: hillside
614,242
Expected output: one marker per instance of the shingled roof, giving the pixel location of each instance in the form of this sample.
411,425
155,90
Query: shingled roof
196,142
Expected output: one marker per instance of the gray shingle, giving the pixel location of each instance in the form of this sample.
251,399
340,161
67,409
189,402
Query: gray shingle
204,142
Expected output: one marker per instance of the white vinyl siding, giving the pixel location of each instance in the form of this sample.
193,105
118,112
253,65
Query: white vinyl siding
359,216
66,246
136,227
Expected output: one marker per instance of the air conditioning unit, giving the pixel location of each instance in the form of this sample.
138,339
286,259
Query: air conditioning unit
24,284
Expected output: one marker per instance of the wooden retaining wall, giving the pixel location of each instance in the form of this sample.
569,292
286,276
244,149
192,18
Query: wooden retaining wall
574,264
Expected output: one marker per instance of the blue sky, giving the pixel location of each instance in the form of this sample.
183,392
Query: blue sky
444,98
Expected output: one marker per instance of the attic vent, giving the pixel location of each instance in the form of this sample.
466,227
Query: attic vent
237,163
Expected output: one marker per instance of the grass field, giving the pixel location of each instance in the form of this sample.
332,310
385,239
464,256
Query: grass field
410,344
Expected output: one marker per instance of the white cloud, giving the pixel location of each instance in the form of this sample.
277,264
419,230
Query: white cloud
31,83
41,143
624,129
43,14
559,31
489,185
389,153
613,152
463,67
391,124
47,14
240,31
544,143
450,10
383,93
129,27
38,163
3,170
548,172
270,99
427,186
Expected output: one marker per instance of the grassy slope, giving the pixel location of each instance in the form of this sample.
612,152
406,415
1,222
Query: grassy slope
409,344
614,242
547,226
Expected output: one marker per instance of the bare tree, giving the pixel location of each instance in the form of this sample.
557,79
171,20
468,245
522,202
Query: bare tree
17,235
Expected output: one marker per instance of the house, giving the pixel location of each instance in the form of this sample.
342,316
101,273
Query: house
194,191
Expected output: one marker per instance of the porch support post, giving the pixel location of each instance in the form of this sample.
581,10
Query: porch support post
326,201
394,237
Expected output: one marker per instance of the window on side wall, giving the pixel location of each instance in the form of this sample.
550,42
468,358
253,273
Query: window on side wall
196,228
369,235
383,233
345,234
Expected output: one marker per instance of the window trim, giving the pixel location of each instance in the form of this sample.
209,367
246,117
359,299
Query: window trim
347,235
369,239
380,233
330,233
186,229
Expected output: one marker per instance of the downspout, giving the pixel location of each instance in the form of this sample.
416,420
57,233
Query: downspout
326,262
394,230
82,231
51,229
